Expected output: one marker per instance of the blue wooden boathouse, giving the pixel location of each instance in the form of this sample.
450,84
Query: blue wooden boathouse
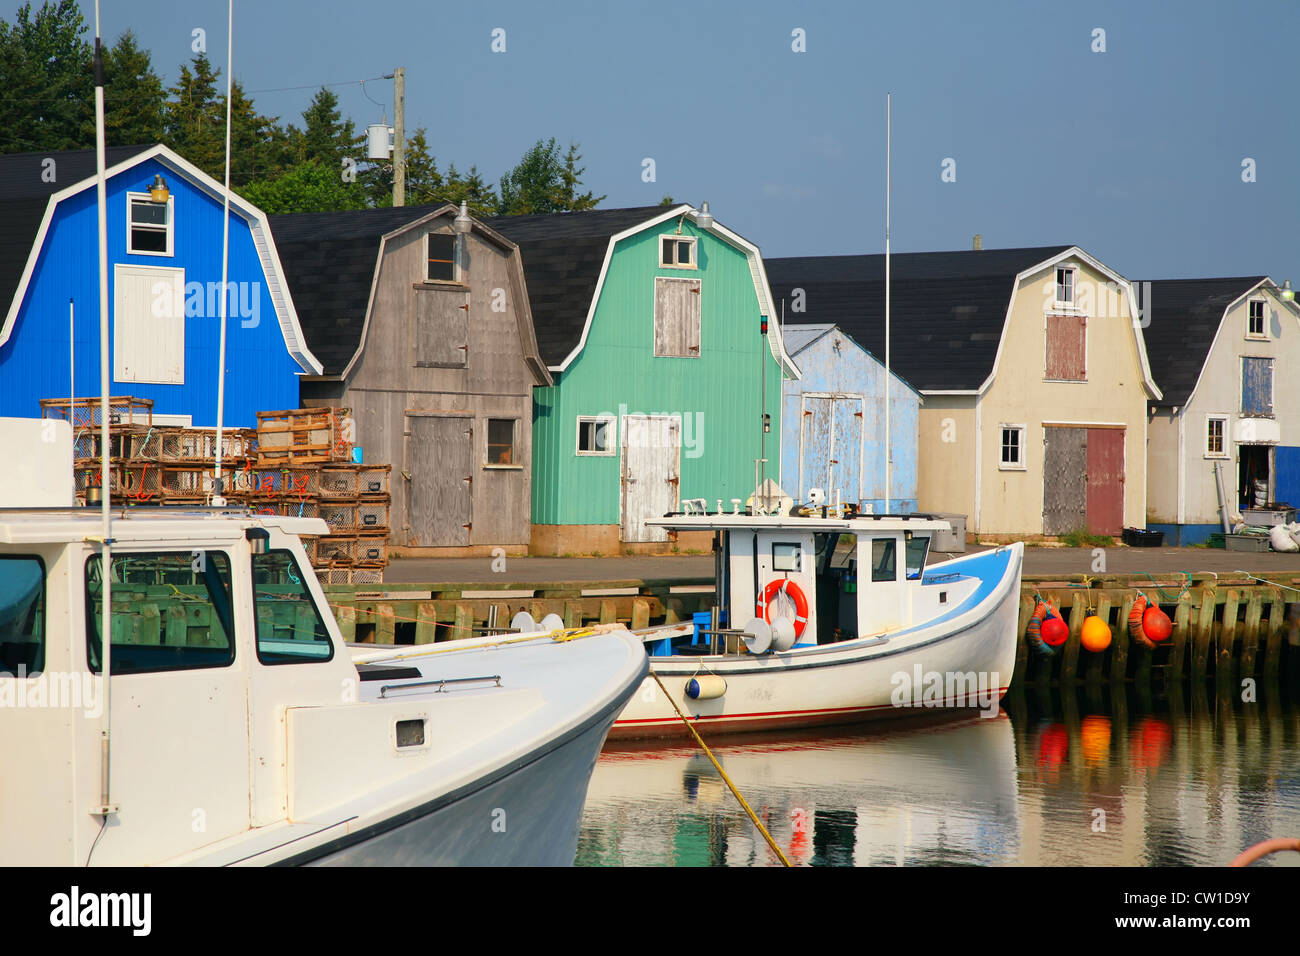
833,427
164,274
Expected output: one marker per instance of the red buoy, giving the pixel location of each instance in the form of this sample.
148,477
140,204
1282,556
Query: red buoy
1054,631
1135,623
1156,624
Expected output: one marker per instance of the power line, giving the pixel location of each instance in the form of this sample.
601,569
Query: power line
315,86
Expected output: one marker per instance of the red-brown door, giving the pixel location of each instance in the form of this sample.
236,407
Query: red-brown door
1105,480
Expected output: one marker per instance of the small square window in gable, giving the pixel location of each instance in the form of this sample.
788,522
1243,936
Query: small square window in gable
1067,348
677,252
441,265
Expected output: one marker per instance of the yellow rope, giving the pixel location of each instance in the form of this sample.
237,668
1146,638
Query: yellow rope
785,861
559,637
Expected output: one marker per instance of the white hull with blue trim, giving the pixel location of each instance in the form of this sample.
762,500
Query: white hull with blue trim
880,634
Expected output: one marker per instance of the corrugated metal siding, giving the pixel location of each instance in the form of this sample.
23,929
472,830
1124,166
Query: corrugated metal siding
617,373
261,375
852,371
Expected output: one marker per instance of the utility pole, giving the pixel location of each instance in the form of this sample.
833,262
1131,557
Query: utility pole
399,136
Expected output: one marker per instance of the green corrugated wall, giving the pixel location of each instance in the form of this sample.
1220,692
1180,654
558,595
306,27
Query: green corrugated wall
617,373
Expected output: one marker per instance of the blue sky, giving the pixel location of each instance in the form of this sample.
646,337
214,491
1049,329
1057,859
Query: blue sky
1134,153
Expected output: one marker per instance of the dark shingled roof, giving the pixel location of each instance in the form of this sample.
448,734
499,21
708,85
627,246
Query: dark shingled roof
24,195
329,262
1183,318
947,309
562,255
329,259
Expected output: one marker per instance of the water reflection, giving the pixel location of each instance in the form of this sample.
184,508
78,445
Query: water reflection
1085,779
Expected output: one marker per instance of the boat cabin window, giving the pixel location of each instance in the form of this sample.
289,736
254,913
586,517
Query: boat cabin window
171,611
883,565
22,614
787,557
289,625
915,552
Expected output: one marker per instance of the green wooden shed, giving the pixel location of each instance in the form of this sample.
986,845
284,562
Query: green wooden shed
657,326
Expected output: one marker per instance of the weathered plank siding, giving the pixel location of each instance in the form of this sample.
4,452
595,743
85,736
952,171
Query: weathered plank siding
1065,480
454,348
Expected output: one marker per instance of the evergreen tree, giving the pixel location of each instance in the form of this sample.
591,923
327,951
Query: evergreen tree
49,88
133,95
571,179
195,117
541,182
479,197
326,137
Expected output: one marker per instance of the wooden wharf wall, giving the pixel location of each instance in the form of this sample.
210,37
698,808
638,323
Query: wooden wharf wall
1226,628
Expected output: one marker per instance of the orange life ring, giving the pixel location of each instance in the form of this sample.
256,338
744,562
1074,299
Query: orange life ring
795,594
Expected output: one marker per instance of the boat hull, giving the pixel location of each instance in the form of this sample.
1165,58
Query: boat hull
960,663
529,816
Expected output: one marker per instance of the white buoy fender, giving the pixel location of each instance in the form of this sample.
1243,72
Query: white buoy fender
706,687
523,622
552,622
758,636
783,636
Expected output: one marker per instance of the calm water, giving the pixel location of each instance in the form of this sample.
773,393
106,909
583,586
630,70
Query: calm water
1181,779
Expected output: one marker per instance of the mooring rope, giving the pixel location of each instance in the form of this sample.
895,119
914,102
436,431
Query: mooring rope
785,861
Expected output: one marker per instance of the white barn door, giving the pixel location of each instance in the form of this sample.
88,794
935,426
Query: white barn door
650,473
149,324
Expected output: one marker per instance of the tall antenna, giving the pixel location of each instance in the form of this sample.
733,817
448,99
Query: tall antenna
219,497
888,188
106,544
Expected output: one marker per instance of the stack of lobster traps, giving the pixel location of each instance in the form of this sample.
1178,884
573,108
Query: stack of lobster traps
297,463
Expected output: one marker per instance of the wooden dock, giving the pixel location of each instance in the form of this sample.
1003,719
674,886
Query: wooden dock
1225,627
425,613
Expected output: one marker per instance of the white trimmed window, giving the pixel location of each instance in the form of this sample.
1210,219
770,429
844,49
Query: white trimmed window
149,225
1255,327
1216,436
596,434
1066,287
1012,448
677,252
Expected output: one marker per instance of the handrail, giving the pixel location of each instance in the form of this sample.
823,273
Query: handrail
441,682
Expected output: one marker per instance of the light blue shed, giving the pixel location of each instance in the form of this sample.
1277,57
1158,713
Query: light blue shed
833,423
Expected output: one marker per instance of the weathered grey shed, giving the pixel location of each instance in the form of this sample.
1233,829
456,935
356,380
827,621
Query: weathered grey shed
427,335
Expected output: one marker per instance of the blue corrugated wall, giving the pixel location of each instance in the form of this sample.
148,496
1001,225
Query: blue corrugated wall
852,370
34,363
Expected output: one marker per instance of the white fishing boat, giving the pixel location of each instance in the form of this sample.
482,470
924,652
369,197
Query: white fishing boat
244,731
831,619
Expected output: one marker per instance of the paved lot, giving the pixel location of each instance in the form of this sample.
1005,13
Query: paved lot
1038,560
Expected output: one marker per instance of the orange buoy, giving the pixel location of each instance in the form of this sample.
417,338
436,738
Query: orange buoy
1054,630
1135,630
1094,738
1095,635
1156,624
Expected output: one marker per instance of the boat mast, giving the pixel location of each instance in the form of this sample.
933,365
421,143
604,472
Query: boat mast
219,497
888,186
106,545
